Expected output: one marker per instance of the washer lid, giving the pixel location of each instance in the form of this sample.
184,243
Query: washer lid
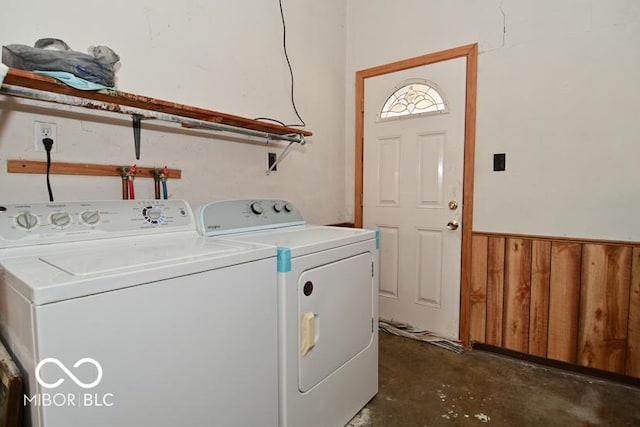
66,271
133,255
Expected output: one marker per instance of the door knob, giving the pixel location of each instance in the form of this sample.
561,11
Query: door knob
452,225
453,205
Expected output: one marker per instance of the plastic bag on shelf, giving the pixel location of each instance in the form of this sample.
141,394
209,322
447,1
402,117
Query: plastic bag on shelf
55,55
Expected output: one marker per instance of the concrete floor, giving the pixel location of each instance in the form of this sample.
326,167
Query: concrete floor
423,385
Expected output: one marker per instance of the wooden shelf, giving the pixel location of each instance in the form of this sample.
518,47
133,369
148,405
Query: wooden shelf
63,168
113,100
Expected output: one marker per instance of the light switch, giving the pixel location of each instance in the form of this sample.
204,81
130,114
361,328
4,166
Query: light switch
499,162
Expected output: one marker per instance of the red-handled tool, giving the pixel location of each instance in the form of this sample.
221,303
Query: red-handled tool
131,172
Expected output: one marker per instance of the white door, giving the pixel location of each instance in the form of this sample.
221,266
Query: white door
413,177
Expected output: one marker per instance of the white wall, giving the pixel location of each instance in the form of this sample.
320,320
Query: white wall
224,56
557,92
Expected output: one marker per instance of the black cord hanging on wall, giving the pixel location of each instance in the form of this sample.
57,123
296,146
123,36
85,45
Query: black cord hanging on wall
286,56
48,145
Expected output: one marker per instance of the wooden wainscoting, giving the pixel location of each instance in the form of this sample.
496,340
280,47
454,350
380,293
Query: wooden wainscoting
576,301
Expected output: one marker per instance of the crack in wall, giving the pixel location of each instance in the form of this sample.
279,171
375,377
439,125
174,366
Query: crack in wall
504,31
504,24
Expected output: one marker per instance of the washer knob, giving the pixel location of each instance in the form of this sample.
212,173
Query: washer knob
26,220
60,219
288,207
277,206
154,214
256,208
90,217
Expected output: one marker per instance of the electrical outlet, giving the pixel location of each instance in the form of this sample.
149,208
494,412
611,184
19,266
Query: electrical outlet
41,131
271,160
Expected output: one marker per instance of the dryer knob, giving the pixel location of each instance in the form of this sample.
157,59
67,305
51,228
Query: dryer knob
256,208
277,206
288,207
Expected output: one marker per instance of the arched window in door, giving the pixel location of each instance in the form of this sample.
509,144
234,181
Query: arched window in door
412,98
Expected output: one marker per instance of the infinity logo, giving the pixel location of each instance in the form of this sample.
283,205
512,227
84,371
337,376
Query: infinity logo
68,372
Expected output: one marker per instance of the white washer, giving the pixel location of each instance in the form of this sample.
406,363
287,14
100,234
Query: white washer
120,314
328,306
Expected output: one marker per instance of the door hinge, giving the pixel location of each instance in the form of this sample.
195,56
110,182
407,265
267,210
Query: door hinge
372,325
372,269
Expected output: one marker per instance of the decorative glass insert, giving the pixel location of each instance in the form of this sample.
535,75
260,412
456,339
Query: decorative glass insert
415,97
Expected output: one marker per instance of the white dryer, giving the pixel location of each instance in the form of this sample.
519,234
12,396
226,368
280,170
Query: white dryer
328,306
120,314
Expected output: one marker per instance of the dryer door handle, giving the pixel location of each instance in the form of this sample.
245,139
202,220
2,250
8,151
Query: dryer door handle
308,332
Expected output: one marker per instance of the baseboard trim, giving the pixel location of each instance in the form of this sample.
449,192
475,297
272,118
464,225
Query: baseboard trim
565,366
343,224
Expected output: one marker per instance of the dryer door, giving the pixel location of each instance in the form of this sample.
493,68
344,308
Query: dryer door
335,311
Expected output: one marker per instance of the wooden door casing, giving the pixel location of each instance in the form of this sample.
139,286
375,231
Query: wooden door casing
470,52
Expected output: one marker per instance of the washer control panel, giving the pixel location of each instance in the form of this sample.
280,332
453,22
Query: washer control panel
234,216
23,224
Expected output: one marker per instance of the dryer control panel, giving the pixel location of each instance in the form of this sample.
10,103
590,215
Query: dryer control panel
235,216
24,224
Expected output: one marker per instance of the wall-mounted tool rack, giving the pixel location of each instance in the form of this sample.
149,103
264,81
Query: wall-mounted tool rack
63,168
25,84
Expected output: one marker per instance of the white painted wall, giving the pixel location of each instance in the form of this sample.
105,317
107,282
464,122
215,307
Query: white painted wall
557,92
225,56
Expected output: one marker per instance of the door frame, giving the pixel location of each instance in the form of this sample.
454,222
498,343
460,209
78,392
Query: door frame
470,52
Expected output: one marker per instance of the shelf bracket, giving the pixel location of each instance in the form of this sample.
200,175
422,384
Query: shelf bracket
137,118
281,156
